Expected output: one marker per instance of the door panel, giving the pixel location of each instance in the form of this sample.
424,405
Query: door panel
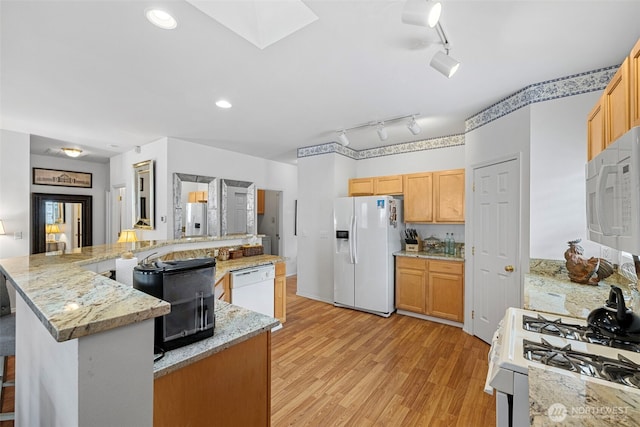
495,241
343,268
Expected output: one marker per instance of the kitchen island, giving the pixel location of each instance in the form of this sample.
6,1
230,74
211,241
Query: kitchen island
84,342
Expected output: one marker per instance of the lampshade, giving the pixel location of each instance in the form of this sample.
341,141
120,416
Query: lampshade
127,236
1,227
425,13
445,64
53,229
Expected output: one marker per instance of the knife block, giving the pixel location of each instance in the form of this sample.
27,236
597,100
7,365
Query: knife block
414,247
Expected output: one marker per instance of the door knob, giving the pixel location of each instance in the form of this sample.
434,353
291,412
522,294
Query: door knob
509,268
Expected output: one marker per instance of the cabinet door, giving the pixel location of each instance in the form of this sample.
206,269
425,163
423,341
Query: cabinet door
222,289
445,296
616,99
418,197
411,284
361,187
634,82
449,195
260,203
595,130
388,185
280,290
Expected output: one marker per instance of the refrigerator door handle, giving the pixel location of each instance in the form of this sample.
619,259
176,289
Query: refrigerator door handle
355,239
351,240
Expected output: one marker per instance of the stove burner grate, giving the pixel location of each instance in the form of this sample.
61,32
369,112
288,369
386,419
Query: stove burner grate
621,371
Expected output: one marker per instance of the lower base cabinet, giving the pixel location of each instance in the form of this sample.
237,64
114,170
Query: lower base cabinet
229,388
430,287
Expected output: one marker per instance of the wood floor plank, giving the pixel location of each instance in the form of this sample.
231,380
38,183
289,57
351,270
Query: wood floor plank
339,367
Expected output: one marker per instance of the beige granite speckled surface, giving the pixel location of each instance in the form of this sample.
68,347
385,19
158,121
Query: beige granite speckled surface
547,288
233,325
429,255
562,399
72,302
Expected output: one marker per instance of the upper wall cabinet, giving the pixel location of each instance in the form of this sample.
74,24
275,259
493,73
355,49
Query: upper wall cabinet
595,130
449,195
634,83
361,187
616,104
387,185
418,197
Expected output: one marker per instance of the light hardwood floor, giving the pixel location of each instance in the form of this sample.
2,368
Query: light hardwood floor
339,367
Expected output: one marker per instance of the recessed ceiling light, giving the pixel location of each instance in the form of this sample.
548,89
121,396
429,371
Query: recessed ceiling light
223,103
161,19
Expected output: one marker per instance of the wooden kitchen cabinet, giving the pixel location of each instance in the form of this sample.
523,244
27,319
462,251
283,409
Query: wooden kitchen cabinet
387,185
418,197
222,288
449,195
260,202
446,290
411,284
595,130
616,104
197,197
430,287
634,83
280,290
361,187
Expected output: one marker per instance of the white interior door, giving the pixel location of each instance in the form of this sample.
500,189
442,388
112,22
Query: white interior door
496,283
238,218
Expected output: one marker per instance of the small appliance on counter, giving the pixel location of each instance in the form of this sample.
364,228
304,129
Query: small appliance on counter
188,286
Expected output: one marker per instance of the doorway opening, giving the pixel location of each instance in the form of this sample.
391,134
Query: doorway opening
270,221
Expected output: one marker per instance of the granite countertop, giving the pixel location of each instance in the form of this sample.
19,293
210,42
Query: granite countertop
562,398
233,325
72,302
547,288
429,255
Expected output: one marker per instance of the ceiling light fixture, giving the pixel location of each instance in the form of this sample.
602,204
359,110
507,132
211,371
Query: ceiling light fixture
382,132
72,152
161,19
444,63
413,126
1,228
342,137
425,13
223,103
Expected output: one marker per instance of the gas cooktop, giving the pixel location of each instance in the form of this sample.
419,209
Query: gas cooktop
571,331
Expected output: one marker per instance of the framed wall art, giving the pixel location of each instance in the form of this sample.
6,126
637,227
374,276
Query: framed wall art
62,178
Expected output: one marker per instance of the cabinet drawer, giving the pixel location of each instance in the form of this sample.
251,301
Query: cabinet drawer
408,262
451,267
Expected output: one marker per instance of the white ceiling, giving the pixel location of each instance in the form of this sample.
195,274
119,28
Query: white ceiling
97,75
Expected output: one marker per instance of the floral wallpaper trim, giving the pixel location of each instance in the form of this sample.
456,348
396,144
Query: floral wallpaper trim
575,84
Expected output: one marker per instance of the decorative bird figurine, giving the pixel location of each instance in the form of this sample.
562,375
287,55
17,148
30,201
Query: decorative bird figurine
585,270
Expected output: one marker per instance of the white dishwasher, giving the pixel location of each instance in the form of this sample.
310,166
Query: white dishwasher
253,288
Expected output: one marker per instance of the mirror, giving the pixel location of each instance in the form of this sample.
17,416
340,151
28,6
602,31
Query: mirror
143,195
60,222
238,205
195,206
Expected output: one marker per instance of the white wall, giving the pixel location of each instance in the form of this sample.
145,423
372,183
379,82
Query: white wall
558,158
98,191
173,155
417,161
15,176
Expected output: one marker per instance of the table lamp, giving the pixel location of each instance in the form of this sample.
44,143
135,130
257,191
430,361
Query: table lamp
125,264
52,230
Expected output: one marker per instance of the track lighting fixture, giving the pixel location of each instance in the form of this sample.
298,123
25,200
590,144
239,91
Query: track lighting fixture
444,63
382,132
72,152
342,137
413,126
425,13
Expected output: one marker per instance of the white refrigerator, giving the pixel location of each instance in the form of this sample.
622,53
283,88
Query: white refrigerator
366,234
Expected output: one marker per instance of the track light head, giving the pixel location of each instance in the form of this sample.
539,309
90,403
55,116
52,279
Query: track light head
342,137
445,64
382,132
425,13
413,126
